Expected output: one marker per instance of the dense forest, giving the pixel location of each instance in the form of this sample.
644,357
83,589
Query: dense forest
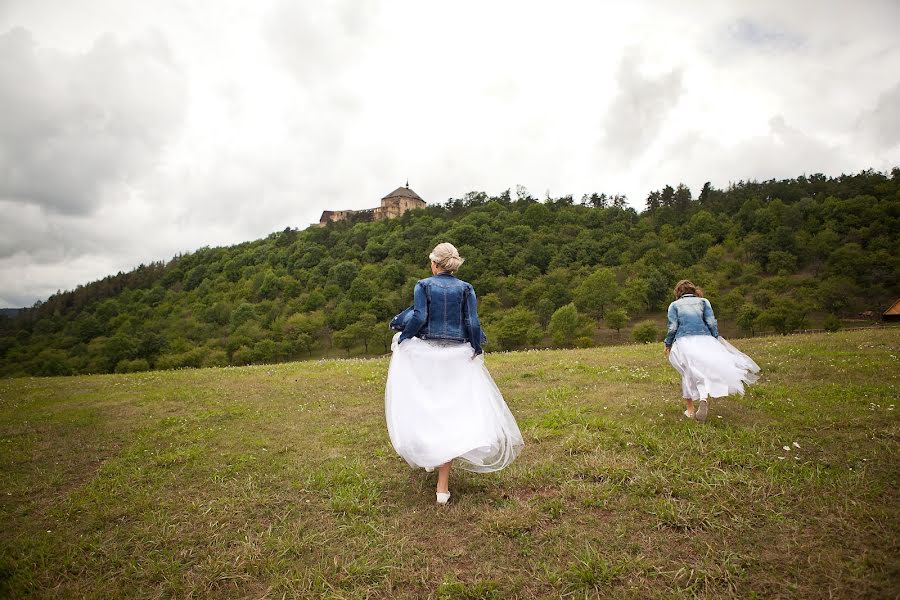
773,256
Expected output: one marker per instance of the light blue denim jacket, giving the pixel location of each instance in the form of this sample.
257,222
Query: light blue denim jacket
444,308
690,315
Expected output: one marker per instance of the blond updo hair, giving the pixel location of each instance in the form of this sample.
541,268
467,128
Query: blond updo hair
446,257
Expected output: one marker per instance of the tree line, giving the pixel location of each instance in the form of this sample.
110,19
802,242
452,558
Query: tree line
772,256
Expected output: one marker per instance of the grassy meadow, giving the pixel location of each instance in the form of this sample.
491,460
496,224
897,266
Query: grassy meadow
279,481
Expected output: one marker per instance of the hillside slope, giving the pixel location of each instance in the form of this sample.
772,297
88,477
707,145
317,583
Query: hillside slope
775,256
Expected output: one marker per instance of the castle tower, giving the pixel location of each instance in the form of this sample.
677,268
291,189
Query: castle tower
398,202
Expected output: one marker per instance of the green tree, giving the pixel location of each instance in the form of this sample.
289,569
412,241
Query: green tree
645,332
363,329
615,319
343,274
344,339
564,325
597,291
835,294
50,363
544,310
382,335
635,296
243,313
781,262
517,329
784,316
360,290
747,317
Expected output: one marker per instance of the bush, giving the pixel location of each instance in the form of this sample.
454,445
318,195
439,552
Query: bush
831,323
584,342
215,358
191,359
516,329
645,332
242,356
132,366
50,363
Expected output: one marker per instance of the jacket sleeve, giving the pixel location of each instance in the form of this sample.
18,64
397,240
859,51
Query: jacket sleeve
672,317
419,314
709,318
473,325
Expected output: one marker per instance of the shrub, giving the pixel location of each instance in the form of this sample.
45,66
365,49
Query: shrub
831,323
564,325
517,328
645,332
242,356
50,363
192,358
215,358
132,366
584,342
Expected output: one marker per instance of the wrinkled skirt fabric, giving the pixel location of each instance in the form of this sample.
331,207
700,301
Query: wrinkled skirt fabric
441,405
711,367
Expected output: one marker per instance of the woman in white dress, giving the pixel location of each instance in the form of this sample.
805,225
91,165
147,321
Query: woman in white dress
709,366
441,404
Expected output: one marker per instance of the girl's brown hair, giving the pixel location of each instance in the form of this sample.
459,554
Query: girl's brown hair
686,287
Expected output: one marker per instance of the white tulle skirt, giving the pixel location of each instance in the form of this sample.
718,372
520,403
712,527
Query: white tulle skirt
441,405
711,367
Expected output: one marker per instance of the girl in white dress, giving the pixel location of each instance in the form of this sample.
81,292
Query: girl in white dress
441,404
709,366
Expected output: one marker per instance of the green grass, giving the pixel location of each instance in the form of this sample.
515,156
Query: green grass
279,481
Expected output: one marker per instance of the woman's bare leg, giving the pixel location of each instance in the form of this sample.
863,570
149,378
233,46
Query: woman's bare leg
689,406
443,480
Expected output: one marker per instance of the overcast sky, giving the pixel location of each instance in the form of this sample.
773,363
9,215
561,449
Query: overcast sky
131,131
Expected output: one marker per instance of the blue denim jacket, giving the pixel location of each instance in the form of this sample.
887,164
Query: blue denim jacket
444,308
690,315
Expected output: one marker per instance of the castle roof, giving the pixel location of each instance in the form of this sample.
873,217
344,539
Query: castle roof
403,192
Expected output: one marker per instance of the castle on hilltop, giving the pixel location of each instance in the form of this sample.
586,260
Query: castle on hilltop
393,205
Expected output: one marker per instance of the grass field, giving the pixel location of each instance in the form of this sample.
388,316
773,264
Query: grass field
279,481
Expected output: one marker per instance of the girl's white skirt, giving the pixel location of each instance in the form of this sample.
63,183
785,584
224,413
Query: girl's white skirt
711,367
441,404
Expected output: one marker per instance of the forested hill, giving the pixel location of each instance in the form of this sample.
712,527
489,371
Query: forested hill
771,256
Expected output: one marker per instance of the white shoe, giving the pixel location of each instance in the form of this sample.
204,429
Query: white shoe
700,415
442,497
429,469
688,415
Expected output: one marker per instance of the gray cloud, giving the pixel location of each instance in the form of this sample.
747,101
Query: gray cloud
881,124
784,152
639,109
75,127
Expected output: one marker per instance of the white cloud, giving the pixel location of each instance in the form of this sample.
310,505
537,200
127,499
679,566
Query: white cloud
881,123
133,131
76,128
